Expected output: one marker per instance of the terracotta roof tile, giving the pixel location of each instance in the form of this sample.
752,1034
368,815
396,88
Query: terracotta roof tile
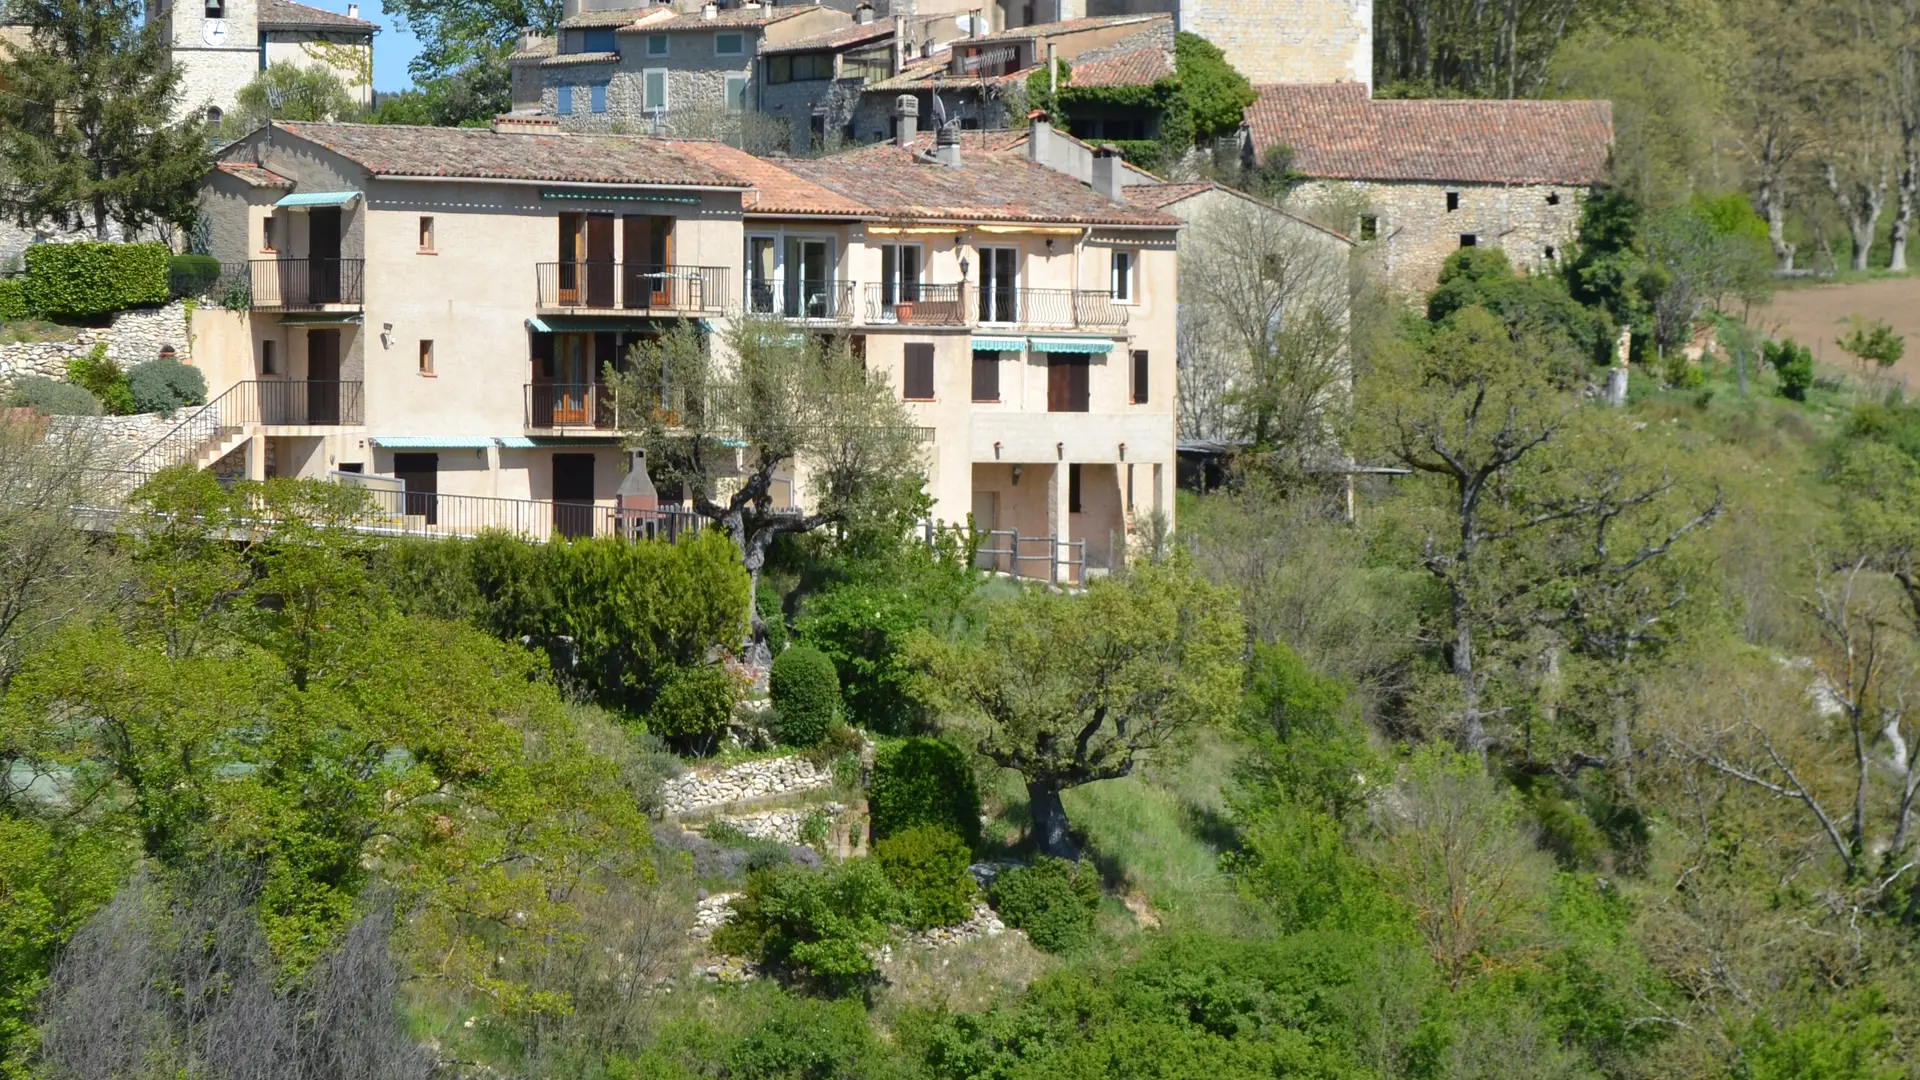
1337,132
482,154
613,17
572,59
539,50
774,190
1066,26
1141,67
693,20
253,175
841,38
287,15
991,185
921,75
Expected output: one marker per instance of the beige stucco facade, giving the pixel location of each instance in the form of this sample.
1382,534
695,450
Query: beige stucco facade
1269,41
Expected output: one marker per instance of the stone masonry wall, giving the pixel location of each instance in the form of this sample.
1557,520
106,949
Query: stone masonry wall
134,336
705,787
1533,224
1274,41
113,441
786,826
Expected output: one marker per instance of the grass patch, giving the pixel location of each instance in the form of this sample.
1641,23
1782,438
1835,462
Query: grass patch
22,331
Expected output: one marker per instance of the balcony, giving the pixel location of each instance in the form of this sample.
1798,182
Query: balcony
1054,309
300,284
631,287
815,300
914,304
561,408
303,403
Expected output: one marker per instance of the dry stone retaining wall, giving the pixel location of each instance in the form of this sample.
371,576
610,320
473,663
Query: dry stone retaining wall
135,336
699,788
785,826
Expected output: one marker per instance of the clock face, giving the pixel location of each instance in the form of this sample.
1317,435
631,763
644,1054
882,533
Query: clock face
215,31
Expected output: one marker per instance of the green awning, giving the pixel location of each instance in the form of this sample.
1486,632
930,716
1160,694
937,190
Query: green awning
1071,345
538,442
999,344
322,319
303,200
433,442
585,324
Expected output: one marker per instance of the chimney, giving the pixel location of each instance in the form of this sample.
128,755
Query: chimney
1039,140
569,8
906,115
1107,174
636,495
863,14
946,146
529,37
353,11
1053,68
710,11
899,44
524,124
973,23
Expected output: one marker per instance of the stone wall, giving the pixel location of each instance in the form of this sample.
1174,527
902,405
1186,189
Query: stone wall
787,826
113,441
696,89
707,787
1274,41
1533,224
134,336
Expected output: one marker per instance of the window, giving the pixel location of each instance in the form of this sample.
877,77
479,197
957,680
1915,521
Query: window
899,275
919,371
1549,253
1073,489
426,234
999,292
1122,277
426,357
1453,201
269,358
1468,240
802,67
598,41
597,97
1272,266
266,233
656,87
656,44
736,92
563,99
1141,369
761,256
1553,198
214,116
986,375
1369,227
729,45
216,9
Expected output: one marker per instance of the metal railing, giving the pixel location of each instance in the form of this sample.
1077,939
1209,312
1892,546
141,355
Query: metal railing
1063,308
914,303
559,406
304,284
809,299
1054,552
614,286
267,402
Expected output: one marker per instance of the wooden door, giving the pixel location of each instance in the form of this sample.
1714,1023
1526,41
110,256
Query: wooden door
421,475
573,494
648,276
572,377
1067,382
600,262
323,254
323,377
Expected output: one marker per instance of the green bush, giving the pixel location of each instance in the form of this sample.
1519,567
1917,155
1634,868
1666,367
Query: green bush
51,397
864,629
165,384
13,299
767,602
192,275
101,377
1793,363
806,695
928,864
694,705
86,279
923,782
818,926
1053,901
803,1039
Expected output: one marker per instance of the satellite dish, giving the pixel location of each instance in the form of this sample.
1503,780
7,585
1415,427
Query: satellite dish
964,22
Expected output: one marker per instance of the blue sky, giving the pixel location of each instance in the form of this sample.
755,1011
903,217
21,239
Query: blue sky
393,47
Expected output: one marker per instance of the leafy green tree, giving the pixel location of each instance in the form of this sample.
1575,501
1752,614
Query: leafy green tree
1536,307
51,881
1872,341
1792,363
1216,95
817,925
288,91
455,33
1069,690
87,128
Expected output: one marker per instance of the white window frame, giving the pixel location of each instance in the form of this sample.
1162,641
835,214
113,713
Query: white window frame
743,81
665,46
1130,281
982,253
736,35
666,91
780,237
891,283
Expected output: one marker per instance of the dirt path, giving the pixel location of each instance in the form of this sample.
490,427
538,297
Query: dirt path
1817,315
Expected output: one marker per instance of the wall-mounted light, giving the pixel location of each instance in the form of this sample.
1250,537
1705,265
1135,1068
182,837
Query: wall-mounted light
963,268
386,335
1016,476
1049,245
996,449
1123,451
1060,449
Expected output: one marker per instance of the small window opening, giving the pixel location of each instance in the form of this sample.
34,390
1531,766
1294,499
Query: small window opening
1553,198
214,116
1073,489
269,358
426,357
426,234
1369,227
1453,201
216,9
1550,253
1468,240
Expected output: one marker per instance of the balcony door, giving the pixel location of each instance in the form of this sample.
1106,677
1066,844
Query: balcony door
323,377
810,278
573,495
763,260
323,254
647,275
999,285
899,274
572,377
586,260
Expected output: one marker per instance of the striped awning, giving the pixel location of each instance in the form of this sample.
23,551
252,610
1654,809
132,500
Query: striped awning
325,318
586,324
433,442
1071,345
306,200
999,344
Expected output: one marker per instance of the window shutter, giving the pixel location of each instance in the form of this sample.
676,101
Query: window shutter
919,373
1073,489
1080,367
1140,371
986,376
564,98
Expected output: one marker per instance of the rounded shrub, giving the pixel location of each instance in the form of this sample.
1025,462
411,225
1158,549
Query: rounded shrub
923,781
694,705
928,863
806,695
1053,901
165,384
51,397
100,376
192,275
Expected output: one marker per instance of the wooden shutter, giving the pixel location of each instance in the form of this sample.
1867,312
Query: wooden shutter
1067,383
919,374
986,376
1140,371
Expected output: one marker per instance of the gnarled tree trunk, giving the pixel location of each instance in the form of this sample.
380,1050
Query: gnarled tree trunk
1049,820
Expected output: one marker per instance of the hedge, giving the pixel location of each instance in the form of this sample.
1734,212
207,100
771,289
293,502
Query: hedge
806,695
85,279
13,299
923,781
192,275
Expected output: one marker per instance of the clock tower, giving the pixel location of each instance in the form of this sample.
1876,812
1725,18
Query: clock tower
217,47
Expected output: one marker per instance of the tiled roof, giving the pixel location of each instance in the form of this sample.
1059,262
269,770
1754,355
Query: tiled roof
774,190
1064,26
481,154
570,59
1337,132
1141,67
991,185
615,17
287,15
736,17
842,38
920,76
253,175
